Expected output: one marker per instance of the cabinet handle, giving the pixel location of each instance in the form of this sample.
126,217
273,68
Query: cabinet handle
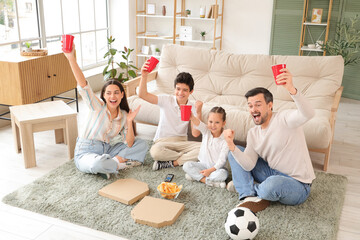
54,75
49,76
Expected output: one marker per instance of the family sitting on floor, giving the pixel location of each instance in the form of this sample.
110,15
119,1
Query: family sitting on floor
274,166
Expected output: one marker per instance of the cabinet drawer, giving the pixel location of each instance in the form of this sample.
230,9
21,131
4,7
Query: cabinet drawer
186,30
184,36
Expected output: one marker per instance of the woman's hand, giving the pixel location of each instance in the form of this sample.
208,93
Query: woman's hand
132,114
71,55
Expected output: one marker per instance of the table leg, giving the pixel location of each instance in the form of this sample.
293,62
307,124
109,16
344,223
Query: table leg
71,134
59,135
27,144
16,135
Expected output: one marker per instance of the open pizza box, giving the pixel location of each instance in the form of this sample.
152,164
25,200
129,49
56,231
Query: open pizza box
156,212
126,191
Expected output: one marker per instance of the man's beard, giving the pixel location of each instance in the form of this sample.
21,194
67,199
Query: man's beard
262,119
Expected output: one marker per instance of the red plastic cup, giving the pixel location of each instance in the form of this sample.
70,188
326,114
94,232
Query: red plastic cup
67,42
276,71
152,64
185,112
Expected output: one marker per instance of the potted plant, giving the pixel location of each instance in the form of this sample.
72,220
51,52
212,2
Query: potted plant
127,69
346,42
202,37
187,12
28,47
157,52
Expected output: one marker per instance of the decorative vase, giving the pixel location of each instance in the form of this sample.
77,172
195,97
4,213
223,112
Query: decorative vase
28,49
164,10
202,12
153,49
202,38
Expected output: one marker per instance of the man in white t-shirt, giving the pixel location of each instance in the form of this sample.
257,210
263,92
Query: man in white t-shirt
171,147
276,156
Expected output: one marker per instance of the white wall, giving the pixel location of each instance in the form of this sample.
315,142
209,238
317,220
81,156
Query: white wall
247,24
119,22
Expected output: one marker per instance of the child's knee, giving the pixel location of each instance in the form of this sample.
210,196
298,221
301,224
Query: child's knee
155,152
186,166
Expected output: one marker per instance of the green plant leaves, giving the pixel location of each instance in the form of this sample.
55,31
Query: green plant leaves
128,70
132,73
346,42
112,51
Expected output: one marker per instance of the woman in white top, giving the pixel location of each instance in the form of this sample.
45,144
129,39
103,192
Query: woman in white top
107,141
213,151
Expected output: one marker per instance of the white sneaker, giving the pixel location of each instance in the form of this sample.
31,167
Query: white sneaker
187,177
255,204
230,187
217,184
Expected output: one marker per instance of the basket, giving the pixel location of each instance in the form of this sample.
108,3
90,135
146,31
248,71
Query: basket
36,52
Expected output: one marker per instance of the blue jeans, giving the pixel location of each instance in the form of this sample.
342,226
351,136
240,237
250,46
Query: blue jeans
270,184
93,156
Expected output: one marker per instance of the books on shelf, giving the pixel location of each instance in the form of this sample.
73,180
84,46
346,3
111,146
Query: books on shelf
213,12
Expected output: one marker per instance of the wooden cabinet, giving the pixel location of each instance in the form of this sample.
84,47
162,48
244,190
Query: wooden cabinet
31,79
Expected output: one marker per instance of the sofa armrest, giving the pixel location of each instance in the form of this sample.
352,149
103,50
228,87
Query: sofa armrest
337,98
132,84
334,109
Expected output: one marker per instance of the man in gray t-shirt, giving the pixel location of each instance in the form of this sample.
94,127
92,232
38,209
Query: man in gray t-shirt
276,155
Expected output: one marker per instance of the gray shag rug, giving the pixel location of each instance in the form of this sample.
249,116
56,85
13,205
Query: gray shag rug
70,195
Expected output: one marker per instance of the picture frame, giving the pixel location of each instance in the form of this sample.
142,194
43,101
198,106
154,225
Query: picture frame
145,50
151,7
316,15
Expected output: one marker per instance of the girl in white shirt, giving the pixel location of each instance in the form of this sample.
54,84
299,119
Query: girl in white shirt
213,151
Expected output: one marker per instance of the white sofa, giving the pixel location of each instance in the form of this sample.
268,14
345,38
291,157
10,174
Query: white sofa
222,79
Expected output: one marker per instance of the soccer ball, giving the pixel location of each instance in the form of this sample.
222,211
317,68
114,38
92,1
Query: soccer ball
241,223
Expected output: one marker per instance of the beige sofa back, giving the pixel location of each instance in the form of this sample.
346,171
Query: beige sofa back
222,79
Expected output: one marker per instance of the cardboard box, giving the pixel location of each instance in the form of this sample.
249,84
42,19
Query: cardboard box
156,212
126,191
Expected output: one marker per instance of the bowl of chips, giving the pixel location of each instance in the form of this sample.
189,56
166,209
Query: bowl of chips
169,190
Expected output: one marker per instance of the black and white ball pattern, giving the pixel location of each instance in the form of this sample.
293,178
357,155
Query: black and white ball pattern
241,223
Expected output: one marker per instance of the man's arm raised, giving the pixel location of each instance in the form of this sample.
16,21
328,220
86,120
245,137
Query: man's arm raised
143,93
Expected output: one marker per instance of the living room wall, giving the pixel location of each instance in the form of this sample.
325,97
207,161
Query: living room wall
247,25
285,38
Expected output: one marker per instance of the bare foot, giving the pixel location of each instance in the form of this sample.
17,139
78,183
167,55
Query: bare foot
121,159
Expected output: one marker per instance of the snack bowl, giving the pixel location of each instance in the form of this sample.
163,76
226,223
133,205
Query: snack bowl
169,190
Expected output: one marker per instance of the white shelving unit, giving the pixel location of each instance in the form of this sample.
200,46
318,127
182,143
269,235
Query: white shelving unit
174,18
